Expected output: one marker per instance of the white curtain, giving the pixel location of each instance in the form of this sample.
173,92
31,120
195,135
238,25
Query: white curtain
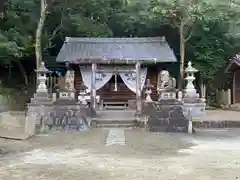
101,78
129,79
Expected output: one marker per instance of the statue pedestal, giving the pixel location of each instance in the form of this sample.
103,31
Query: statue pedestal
66,94
167,115
196,110
63,95
82,98
41,98
167,94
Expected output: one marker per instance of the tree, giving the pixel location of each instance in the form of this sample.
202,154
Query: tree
182,15
210,48
38,48
190,18
17,38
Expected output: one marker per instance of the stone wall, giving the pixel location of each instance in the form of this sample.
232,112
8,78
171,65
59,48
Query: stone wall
60,117
13,99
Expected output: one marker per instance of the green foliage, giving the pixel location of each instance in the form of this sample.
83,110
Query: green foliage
8,47
211,26
212,49
184,13
17,29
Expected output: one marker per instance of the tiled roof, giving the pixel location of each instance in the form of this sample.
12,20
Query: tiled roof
154,49
234,60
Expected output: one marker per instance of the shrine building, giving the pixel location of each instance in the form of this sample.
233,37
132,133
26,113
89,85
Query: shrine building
115,70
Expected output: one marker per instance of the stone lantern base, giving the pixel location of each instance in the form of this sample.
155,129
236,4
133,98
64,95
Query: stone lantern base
41,98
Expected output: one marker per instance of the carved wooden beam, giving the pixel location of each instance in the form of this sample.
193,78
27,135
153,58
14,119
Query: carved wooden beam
115,70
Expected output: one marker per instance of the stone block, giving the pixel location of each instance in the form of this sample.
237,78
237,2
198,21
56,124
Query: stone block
168,95
15,125
132,104
167,116
30,124
196,110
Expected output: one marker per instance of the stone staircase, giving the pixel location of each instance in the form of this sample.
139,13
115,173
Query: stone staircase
111,118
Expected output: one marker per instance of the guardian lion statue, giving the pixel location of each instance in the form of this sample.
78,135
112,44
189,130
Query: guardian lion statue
165,82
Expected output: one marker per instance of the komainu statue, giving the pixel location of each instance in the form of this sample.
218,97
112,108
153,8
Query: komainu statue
69,80
166,86
165,82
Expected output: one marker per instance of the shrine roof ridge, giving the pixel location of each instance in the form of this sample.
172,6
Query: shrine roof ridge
103,50
234,60
115,40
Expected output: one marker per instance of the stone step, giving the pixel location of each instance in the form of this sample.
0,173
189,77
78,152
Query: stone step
113,123
115,107
204,124
216,124
116,111
169,129
115,114
102,121
114,118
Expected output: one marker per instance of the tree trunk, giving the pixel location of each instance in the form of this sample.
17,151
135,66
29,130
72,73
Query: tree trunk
23,72
38,49
182,57
9,72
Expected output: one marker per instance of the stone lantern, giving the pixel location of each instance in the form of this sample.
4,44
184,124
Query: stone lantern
41,97
190,90
82,94
148,91
42,78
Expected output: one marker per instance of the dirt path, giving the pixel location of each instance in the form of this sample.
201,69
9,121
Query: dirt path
147,156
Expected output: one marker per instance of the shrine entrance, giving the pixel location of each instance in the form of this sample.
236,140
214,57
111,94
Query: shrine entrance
115,90
121,84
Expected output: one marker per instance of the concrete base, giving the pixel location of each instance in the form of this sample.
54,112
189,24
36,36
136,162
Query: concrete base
17,125
196,110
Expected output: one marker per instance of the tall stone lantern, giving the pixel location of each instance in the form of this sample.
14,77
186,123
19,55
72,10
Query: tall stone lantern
42,72
190,90
41,97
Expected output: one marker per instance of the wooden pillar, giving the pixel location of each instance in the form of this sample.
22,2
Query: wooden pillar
138,89
234,88
93,88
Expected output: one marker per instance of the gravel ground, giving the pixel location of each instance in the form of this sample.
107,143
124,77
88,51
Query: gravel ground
146,156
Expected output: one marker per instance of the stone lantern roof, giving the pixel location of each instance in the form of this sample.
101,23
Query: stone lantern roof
190,69
42,68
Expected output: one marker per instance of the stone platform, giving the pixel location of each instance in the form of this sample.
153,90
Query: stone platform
166,116
218,119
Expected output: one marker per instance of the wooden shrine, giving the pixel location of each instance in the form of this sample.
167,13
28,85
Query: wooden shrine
116,58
